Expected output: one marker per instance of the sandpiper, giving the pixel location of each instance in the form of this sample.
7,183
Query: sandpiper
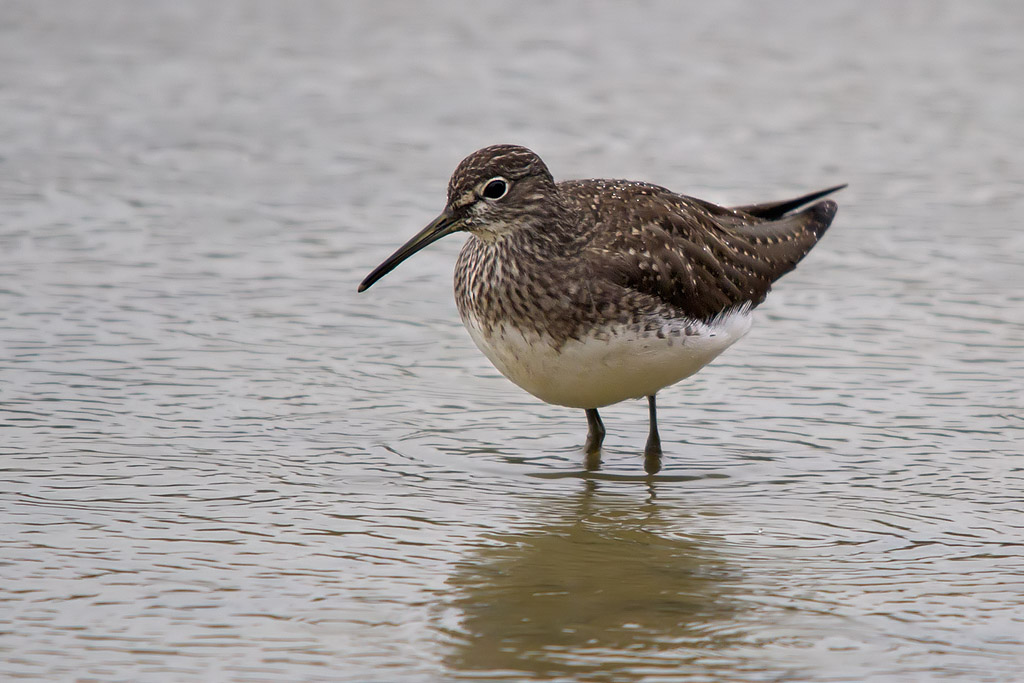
589,292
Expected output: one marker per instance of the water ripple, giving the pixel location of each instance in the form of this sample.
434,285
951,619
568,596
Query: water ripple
220,463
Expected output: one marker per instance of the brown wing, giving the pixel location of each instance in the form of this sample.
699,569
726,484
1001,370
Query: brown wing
700,258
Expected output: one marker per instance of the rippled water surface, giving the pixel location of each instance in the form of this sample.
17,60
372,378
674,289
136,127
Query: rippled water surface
221,463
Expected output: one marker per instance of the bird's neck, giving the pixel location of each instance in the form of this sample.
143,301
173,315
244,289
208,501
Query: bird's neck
502,274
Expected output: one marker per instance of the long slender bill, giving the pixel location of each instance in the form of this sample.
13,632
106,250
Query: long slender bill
438,228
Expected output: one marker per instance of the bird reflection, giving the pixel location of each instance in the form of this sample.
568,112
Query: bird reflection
607,584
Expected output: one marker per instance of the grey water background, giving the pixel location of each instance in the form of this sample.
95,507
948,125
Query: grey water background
220,463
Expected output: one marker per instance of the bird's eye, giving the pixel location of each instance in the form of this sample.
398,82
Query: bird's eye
496,188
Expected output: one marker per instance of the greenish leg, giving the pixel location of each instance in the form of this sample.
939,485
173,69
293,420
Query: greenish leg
595,432
652,452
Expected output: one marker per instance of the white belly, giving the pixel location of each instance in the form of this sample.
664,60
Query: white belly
603,369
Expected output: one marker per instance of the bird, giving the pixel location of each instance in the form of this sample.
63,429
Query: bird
586,293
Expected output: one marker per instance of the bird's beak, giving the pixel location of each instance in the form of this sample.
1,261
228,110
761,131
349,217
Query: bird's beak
445,224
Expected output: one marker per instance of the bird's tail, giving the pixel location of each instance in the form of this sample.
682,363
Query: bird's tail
775,210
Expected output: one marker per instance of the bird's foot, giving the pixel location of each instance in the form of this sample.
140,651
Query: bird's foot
595,437
652,455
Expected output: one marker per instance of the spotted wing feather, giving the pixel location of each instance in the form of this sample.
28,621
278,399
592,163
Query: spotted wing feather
697,257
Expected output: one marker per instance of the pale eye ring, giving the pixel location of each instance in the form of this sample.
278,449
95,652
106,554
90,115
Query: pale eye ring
495,189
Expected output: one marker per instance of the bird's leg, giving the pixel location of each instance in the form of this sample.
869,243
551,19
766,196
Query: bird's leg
595,432
653,440
652,452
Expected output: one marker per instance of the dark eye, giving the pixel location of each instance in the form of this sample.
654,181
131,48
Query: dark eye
496,188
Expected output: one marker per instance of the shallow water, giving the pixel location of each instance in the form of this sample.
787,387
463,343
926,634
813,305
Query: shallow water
221,463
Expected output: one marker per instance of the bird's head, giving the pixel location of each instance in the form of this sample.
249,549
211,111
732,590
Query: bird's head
493,192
